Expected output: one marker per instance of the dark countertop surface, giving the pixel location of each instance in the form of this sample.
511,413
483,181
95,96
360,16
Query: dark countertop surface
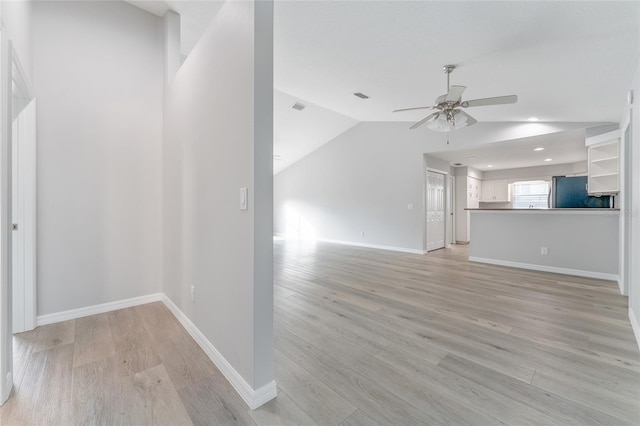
547,210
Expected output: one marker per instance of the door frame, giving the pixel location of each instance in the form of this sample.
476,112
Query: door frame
626,222
24,238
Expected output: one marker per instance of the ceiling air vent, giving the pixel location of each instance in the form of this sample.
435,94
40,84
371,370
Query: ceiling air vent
361,95
298,106
457,164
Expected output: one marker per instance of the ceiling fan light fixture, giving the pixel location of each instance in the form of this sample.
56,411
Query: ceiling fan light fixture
445,122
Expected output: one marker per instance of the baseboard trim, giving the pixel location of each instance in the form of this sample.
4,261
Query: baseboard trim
253,398
97,309
357,244
635,325
544,268
375,246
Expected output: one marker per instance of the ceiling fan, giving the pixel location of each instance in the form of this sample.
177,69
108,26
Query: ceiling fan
449,115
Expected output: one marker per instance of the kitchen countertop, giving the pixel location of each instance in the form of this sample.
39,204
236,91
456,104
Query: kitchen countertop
551,211
547,210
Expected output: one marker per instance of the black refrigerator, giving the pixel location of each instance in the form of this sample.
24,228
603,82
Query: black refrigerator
571,193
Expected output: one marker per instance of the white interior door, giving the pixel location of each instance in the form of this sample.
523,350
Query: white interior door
6,347
435,210
23,215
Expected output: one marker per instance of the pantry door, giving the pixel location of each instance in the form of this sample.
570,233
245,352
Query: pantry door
436,222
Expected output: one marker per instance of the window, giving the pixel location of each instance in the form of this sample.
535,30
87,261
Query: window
531,195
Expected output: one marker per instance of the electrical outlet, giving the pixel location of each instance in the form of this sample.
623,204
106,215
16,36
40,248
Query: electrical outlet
193,293
544,251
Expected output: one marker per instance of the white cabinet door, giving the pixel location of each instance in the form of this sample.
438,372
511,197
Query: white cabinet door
495,191
501,191
487,191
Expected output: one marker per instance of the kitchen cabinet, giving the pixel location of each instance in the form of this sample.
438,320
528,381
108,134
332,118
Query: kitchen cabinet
474,189
603,176
495,191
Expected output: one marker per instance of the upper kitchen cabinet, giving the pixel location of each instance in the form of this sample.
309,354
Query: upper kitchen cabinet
604,164
495,191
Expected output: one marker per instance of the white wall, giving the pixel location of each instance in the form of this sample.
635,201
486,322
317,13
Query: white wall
217,139
361,181
580,241
98,81
16,19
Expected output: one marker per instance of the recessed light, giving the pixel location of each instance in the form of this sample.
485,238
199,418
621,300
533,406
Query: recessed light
489,165
472,158
361,95
533,119
538,149
547,159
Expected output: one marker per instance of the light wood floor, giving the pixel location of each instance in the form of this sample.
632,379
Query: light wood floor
362,337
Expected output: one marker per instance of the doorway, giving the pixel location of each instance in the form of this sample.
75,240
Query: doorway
436,223
17,208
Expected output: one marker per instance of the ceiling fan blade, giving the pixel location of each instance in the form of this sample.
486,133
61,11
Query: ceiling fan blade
470,120
424,120
455,93
498,100
411,109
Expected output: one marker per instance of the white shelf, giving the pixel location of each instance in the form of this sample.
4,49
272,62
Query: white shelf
600,160
604,163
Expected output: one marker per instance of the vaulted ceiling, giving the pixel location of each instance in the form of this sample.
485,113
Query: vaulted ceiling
567,61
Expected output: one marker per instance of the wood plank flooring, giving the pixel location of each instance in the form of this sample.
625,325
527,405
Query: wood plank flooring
407,339
362,337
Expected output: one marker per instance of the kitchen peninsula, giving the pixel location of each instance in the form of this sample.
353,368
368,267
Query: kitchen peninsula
582,242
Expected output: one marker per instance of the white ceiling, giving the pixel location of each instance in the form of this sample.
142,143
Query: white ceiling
567,62
298,133
562,148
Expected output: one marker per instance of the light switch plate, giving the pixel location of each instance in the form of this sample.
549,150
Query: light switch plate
244,195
